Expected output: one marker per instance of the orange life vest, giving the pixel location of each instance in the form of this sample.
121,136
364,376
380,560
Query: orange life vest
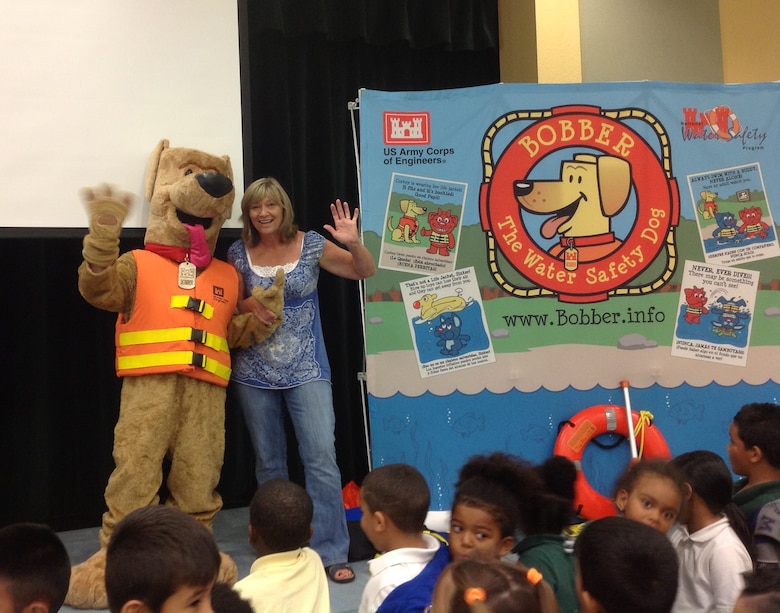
172,330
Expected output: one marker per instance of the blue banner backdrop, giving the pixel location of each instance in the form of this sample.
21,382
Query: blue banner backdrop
539,244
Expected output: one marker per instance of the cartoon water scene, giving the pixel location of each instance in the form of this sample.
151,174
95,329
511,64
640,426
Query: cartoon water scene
422,227
715,313
447,322
731,209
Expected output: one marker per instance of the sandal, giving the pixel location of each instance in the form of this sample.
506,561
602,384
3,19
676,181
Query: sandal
340,573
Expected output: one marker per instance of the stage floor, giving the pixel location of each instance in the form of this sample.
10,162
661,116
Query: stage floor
230,532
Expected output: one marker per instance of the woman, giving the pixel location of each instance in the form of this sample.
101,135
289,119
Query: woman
290,369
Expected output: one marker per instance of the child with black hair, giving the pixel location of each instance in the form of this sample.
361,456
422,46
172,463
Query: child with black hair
624,565
34,569
224,599
651,492
491,586
761,593
160,560
713,540
546,512
287,574
754,454
486,509
394,500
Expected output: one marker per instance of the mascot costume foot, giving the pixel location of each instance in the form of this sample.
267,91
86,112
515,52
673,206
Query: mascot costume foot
176,323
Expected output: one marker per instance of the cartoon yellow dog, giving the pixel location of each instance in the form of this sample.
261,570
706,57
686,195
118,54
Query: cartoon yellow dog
710,206
406,230
590,191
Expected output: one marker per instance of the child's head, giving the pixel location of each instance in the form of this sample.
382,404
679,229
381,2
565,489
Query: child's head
651,492
280,515
394,500
624,565
551,507
709,481
754,437
492,586
761,593
162,560
224,599
708,477
34,569
486,509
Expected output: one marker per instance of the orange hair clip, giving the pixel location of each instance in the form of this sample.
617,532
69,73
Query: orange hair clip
474,594
533,576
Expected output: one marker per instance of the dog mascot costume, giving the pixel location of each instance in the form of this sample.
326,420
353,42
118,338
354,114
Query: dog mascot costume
176,322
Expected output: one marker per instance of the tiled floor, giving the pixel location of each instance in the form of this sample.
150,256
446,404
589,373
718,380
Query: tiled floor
230,532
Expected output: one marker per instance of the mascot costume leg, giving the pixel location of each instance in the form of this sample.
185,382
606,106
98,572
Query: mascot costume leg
176,322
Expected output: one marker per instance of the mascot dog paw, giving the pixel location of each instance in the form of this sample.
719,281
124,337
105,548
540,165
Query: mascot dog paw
246,330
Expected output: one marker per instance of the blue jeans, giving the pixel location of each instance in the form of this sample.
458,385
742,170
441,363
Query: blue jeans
310,407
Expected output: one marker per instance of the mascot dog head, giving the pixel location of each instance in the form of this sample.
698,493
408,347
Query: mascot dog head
187,186
591,189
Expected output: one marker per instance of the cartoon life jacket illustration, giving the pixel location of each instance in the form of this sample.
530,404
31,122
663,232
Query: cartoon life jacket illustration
710,206
405,231
442,224
751,223
451,340
727,231
730,316
695,299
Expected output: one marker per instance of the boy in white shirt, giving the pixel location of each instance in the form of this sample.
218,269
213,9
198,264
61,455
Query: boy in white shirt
394,500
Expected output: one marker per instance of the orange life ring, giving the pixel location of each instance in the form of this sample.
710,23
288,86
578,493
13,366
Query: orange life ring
725,131
582,428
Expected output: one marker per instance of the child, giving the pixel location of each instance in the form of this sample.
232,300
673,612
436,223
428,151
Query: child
486,509
624,565
493,586
160,560
224,599
754,453
761,593
713,539
651,492
549,510
34,569
394,500
287,575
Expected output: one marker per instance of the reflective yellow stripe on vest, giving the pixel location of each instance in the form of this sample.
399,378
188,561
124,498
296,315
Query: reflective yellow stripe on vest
174,334
193,304
171,358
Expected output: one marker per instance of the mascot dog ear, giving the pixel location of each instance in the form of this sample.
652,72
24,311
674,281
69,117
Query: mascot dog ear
152,166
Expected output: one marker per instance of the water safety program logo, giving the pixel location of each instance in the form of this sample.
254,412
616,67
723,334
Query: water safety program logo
579,203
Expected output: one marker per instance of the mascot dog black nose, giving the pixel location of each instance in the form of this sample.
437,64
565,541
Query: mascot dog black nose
214,184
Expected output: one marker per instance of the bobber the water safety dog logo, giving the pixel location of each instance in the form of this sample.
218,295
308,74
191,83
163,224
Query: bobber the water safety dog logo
580,204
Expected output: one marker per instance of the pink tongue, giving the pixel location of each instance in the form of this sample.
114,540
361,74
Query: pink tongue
199,250
550,227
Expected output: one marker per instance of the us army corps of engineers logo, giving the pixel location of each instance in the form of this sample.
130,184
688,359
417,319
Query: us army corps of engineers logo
579,203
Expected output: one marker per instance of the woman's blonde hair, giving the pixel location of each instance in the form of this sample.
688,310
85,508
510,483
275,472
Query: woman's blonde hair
256,191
